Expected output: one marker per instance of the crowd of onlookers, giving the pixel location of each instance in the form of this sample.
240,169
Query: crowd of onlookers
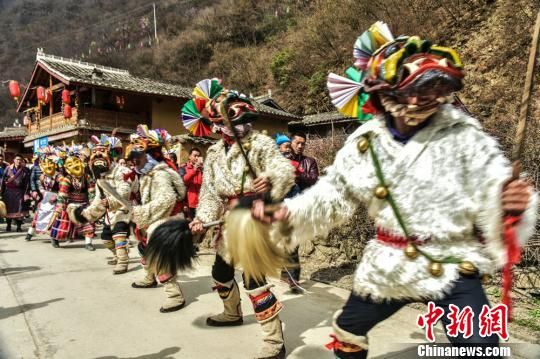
20,180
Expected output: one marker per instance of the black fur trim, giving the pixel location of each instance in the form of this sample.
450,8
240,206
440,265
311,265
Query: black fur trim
78,215
170,248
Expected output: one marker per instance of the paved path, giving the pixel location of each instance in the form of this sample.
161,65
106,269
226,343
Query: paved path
65,303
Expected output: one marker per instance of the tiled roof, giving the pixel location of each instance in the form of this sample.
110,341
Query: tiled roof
322,118
13,132
81,72
272,111
104,76
185,138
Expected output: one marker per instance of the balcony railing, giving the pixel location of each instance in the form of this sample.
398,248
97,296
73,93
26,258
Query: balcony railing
100,117
94,117
53,122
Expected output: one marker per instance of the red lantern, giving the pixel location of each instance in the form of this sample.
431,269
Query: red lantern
48,96
66,97
14,90
40,94
120,101
67,112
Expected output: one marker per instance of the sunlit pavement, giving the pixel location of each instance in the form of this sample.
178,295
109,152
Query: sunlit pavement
65,303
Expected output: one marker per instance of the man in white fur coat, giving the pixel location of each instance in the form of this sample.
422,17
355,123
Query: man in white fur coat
437,186
227,179
116,229
161,192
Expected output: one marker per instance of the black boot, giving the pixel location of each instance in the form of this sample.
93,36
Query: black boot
8,225
55,243
19,224
28,237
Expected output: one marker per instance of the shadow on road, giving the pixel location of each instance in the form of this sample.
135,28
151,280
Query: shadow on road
17,270
162,354
333,273
191,287
11,311
8,251
297,315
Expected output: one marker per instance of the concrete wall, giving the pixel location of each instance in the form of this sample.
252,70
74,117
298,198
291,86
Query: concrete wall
271,125
166,114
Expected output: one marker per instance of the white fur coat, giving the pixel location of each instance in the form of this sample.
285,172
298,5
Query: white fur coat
115,212
223,171
446,181
160,189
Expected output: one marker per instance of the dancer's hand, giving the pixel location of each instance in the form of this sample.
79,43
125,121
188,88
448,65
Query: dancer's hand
261,213
261,185
196,226
515,197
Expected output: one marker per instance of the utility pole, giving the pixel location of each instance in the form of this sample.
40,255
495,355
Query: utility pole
155,23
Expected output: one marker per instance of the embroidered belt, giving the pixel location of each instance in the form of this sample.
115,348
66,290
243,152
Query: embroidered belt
397,241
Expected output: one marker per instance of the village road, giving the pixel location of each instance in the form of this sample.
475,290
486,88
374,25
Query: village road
65,303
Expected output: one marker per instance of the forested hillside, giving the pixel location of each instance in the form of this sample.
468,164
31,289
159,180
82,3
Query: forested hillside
288,46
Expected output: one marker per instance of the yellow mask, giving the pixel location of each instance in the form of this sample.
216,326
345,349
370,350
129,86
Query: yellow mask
47,166
74,166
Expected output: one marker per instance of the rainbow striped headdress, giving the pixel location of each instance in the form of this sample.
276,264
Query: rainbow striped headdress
406,66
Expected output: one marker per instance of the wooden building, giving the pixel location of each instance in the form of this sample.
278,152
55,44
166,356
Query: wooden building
104,98
11,142
325,124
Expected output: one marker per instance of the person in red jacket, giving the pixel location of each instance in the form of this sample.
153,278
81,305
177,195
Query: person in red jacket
191,173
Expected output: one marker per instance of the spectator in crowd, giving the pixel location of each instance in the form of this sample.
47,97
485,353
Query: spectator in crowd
191,172
174,158
291,276
284,145
35,173
15,187
122,162
308,165
3,165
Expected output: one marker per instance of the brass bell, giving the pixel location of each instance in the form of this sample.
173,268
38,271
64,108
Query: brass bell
486,278
381,192
246,169
467,268
363,144
436,269
247,146
238,190
410,251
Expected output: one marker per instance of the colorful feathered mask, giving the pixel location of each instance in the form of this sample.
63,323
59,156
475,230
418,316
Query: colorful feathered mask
48,160
145,139
213,105
395,67
74,165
